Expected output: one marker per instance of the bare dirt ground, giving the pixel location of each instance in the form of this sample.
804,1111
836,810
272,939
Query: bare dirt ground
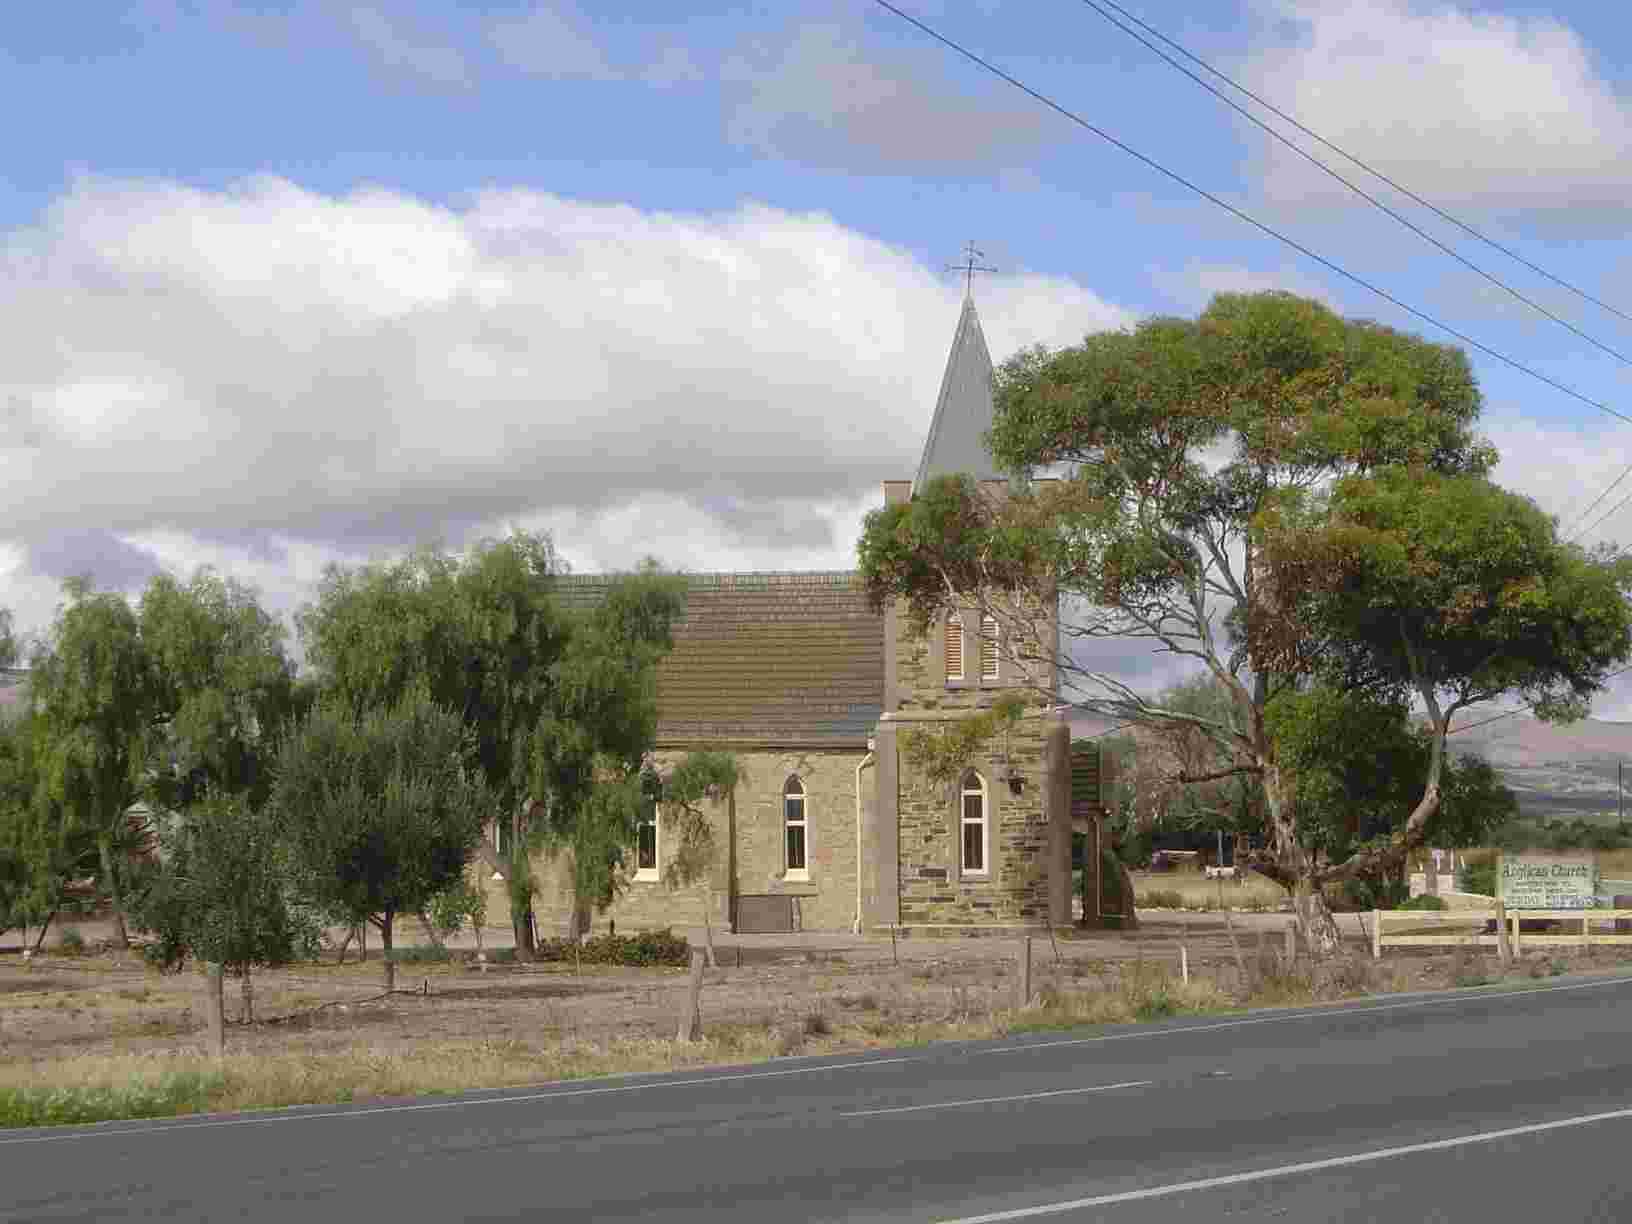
782,993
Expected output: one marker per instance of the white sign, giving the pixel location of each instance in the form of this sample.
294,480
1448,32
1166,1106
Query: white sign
1548,880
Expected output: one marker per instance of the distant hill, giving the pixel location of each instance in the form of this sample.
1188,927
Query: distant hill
1562,771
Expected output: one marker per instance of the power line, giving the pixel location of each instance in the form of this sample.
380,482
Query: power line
1357,189
1578,530
1524,708
1369,169
1242,215
1101,7
1610,513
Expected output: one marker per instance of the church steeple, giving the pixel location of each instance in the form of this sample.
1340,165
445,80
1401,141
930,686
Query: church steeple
964,411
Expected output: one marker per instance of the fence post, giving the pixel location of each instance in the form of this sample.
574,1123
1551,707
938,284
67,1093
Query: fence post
1184,949
1376,934
1504,945
1291,945
1022,987
691,1014
1518,939
214,1011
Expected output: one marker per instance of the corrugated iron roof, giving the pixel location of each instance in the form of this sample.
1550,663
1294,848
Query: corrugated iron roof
793,658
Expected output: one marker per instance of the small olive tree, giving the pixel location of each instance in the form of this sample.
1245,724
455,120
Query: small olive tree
223,895
381,811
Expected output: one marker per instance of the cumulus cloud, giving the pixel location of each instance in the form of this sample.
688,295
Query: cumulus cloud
822,97
1474,109
268,372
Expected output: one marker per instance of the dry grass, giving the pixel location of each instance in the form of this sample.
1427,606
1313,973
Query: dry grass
87,1040
1178,889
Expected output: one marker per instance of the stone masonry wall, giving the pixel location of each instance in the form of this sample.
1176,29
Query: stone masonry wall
1022,852
826,901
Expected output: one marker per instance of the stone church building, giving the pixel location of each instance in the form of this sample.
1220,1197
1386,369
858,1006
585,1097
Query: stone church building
829,828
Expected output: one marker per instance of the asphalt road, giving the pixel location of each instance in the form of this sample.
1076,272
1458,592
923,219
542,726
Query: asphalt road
1492,1106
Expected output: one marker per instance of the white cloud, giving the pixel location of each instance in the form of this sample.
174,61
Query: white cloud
823,97
267,373
1468,108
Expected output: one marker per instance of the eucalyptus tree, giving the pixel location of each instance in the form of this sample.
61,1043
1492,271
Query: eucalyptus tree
1450,589
1176,436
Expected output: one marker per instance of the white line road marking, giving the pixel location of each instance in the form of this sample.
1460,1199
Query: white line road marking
1323,1014
1311,1166
462,1104
1025,1096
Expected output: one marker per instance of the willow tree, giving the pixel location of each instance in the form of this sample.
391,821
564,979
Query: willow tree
98,701
1174,436
478,635
223,688
589,751
558,703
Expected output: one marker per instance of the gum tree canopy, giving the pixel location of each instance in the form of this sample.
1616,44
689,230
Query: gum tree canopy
1449,589
1175,437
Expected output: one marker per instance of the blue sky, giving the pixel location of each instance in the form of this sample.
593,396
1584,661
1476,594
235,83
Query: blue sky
294,282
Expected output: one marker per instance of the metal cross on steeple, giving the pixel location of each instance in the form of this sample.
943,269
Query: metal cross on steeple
969,267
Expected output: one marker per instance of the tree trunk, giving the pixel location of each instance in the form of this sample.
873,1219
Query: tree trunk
708,924
39,940
431,937
385,952
1130,918
1316,926
110,878
521,912
1315,921
249,996
215,1020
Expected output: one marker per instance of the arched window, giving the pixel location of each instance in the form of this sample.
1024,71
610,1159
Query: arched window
954,647
796,826
646,860
972,825
988,648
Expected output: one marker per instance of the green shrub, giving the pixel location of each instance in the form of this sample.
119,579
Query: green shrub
1371,893
1156,1003
170,1094
70,942
1477,878
645,949
1424,902
501,956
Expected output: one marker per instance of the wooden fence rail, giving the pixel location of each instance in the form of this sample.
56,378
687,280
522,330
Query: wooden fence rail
1508,936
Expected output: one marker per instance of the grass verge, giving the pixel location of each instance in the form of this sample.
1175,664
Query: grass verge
86,1089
